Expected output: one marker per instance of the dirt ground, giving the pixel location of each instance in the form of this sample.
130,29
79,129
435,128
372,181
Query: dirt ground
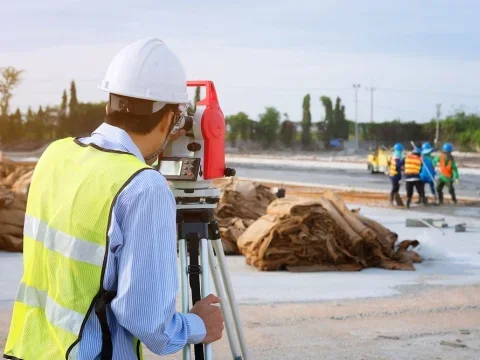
410,326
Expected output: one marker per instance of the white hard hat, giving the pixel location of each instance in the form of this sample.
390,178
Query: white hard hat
149,70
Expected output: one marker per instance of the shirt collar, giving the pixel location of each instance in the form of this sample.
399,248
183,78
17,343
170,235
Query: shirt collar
118,137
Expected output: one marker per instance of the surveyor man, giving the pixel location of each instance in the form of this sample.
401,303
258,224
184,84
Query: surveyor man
448,172
100,265
413,167
427,174
396,165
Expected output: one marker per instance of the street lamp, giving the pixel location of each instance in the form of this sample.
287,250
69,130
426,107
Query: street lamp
356,87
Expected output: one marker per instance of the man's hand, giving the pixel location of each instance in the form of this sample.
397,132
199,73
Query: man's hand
212,317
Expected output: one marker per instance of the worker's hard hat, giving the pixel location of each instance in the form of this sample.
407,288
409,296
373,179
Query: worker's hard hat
398,147
416,150
148,70
427,148
447,147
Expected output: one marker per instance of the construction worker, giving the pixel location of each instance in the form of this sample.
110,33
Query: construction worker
427,174
100,264
396,164
413,167
448,172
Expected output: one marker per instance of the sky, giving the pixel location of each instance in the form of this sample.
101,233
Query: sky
261,53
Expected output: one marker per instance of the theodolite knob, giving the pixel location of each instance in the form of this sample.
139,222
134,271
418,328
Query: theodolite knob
194,147
229,172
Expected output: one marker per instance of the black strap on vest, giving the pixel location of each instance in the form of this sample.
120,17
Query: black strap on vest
104,299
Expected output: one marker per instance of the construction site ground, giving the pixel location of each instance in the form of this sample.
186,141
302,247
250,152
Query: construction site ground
430,313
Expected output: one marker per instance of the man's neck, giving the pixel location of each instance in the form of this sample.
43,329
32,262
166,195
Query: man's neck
144,143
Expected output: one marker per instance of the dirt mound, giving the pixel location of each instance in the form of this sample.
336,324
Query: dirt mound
322,235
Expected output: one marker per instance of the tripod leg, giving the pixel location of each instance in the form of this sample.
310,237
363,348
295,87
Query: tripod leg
205,285
215,270
217,244
182,250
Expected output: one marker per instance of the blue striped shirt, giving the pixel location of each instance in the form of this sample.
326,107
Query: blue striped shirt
141,266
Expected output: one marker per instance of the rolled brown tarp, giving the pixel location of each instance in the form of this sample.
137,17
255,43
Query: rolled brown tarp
364,231
387,237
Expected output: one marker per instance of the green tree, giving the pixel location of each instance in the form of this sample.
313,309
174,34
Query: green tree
288,132
91,115
252,130
9,80
30,124
15,127
196,98
268,125
306,123
336,124
50,122
328,125
340,124
345,131
239,125
62,116
73,114
39,122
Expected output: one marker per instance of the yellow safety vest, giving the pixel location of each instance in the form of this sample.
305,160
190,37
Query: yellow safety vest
413,165
73,190
393,167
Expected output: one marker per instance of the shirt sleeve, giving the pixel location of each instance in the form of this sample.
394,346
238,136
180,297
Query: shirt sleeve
454,170
147,274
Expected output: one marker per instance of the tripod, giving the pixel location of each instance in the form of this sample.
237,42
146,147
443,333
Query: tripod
198,233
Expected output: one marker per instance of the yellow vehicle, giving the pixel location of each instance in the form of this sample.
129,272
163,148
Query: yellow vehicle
379,160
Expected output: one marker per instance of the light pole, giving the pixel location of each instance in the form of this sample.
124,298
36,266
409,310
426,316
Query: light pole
371,89
356,87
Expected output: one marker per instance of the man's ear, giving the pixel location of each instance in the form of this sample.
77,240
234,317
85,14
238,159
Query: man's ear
166,123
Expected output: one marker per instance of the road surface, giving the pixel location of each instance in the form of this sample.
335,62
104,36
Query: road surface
349,177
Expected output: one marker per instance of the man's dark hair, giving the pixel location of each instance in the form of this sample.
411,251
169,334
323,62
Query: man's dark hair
137,124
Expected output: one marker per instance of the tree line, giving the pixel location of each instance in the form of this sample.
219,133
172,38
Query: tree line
271,129
47,123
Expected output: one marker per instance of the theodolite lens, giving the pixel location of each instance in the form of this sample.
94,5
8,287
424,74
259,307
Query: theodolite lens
188,123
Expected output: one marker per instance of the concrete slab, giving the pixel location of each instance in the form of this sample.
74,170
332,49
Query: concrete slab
450,259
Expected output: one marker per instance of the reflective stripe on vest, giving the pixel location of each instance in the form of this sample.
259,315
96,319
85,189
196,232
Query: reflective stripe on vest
446,166
71,196
413,165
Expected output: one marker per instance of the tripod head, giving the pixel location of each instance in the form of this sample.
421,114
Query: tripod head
192,161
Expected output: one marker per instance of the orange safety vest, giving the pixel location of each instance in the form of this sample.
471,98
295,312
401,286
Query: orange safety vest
445,166
413,165
393,167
